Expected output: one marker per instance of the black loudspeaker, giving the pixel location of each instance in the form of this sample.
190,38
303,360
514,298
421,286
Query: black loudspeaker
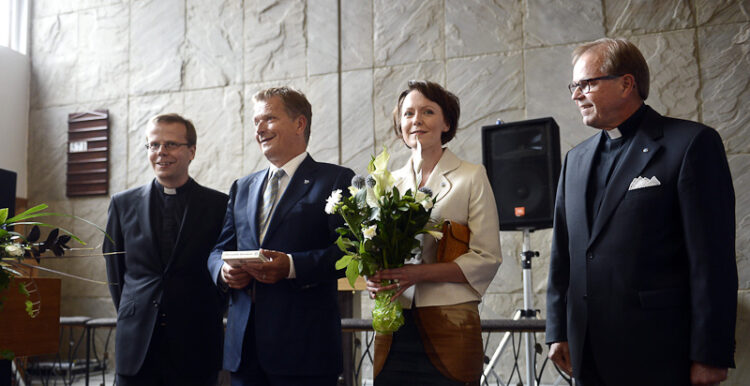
8,191
523,164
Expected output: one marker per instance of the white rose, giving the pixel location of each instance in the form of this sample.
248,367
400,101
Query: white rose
332,201
14,250
370,231
427,204
420,196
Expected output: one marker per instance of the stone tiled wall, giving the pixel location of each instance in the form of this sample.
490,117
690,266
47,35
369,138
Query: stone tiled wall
505,59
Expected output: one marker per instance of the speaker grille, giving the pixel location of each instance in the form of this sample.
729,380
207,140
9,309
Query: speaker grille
523,164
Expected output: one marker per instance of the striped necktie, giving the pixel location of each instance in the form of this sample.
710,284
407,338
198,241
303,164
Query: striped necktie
269,201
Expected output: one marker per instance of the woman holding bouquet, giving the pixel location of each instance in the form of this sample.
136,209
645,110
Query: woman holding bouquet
440,342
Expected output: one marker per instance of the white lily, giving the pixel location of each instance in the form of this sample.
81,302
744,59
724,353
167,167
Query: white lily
370,231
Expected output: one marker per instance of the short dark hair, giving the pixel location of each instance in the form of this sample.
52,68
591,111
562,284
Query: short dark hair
295,103
619,57
447,101
190,134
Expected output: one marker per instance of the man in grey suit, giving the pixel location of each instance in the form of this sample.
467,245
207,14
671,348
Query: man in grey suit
169,313
643,280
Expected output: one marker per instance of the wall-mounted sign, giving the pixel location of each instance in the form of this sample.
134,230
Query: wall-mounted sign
88,153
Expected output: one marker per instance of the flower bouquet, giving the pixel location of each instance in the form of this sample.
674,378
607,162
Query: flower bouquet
380,233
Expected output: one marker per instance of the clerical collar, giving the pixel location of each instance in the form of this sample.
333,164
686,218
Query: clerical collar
173,191
627,128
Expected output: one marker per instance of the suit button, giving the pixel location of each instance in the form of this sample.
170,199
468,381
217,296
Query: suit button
156,304
590,256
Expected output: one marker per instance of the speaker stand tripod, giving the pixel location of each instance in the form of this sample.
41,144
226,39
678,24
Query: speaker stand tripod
527,312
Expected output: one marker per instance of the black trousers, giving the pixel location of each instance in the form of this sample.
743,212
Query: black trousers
160,370
251,373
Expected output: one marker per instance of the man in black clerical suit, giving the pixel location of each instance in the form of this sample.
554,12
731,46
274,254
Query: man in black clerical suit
169,312
643,279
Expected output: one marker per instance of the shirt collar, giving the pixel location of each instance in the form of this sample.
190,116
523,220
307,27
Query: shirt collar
289,167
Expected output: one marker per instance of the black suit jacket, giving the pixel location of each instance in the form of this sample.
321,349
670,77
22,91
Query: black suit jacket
297,324
183,291
653,281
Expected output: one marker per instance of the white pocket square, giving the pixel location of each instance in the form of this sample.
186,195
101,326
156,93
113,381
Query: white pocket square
643,182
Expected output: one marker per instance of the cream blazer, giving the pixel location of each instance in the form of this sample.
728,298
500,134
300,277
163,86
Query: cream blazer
464,195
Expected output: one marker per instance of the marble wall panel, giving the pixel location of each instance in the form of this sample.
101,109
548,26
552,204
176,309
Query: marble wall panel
322,91
213,48
674,73
357,124
725,92
217,115
48,154
323,37
103,60
558,22
740,375
118,144
54,44
275,40
356,34
627,18
740,168
140,111
486,86
42,8
548,72
713,12
157,40
387,85
479,27
408,31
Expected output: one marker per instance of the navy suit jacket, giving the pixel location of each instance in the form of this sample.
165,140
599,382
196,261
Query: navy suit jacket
653,281
297,321
142,287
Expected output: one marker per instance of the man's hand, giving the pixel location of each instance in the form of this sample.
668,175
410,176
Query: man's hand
235,278
272,271
559,352
705,375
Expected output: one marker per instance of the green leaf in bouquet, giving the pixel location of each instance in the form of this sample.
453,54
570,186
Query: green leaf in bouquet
344,244
352,271
3,215
343,262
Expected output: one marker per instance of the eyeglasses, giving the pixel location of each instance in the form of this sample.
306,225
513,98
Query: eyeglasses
168,146
585,84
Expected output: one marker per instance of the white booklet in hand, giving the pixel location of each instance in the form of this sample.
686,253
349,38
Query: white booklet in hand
238,258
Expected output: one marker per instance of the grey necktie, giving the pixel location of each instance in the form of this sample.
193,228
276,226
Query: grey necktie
269,202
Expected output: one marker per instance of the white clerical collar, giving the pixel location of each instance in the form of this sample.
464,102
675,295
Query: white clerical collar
170,191
291,166
614,133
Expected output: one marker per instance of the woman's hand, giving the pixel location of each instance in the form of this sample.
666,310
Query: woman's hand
402,277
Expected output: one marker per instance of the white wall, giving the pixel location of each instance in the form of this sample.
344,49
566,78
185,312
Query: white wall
14,115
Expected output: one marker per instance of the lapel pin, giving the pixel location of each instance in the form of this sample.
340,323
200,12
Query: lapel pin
645,150
442,184
307,181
